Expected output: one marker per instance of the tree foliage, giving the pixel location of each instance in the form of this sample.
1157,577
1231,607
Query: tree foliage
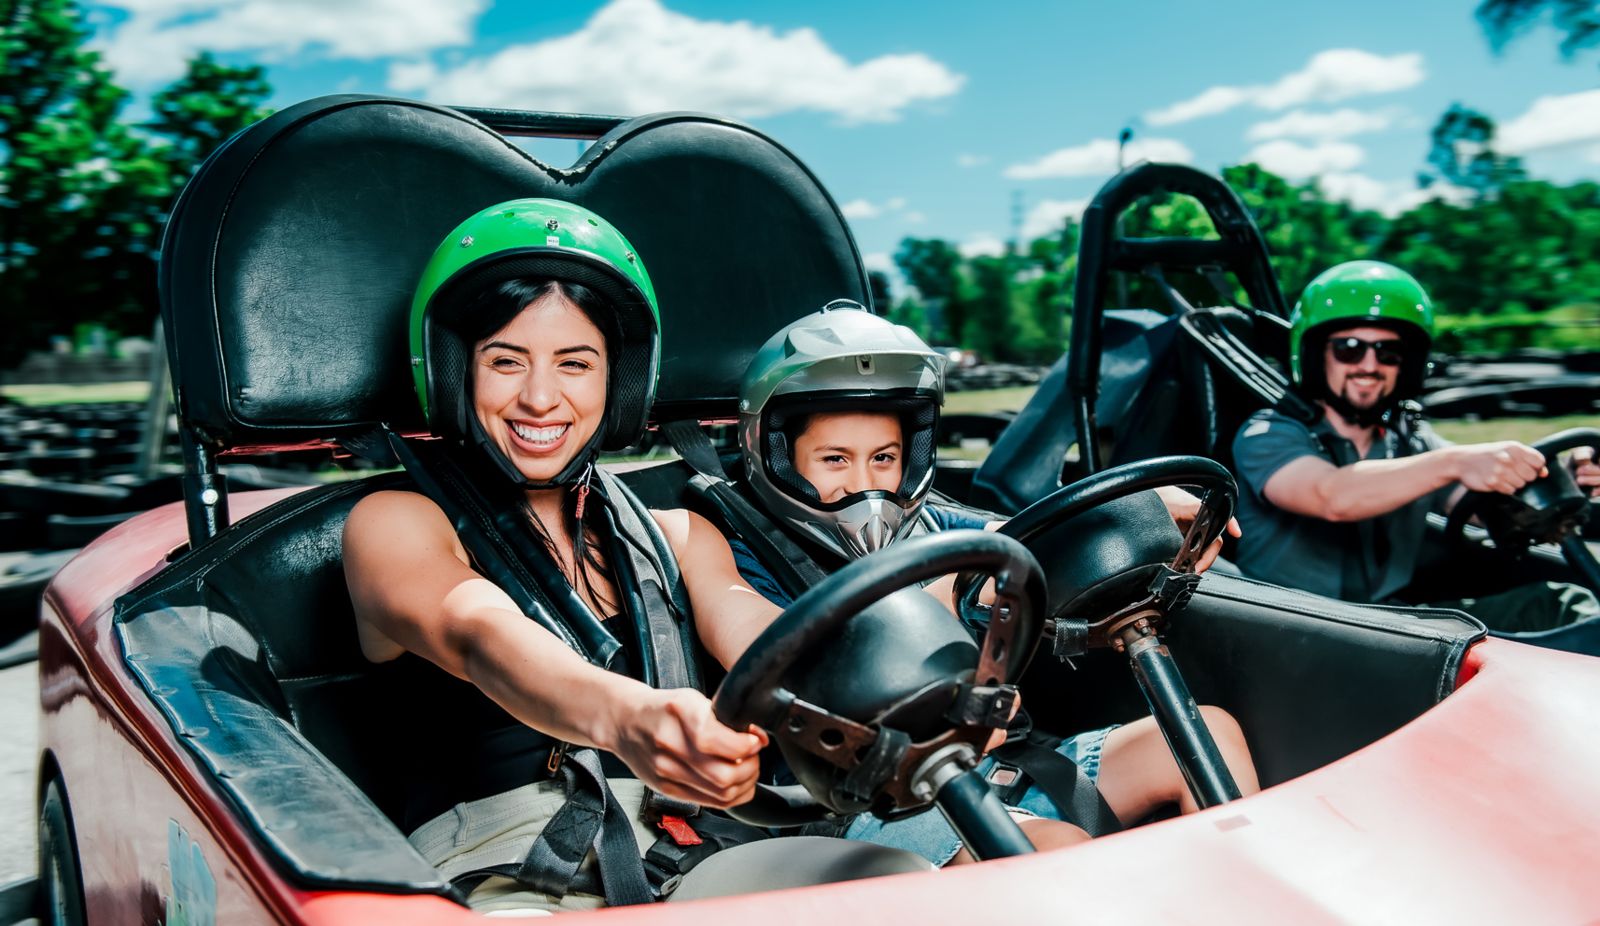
1462,154
83,193
1577,20
1513,248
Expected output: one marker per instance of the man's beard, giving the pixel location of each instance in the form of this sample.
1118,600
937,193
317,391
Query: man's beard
1365,416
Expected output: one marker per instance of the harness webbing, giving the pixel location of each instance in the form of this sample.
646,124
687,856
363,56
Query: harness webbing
591,820
1063,781
794,569
656,594
489,545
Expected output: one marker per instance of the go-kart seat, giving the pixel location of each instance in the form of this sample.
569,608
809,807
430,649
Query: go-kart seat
1190,404
286,281
248,644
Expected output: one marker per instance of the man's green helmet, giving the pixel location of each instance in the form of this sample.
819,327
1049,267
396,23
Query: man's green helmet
1353,293
536,240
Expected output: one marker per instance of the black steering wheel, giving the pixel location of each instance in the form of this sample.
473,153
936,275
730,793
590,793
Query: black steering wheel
1550,509
1117,571
932,698
1086,590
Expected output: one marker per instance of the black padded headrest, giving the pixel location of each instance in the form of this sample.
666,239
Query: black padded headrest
289,262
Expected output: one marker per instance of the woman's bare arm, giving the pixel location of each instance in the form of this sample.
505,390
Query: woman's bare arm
412,589
728,613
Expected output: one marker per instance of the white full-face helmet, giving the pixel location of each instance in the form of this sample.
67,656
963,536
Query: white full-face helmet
840,359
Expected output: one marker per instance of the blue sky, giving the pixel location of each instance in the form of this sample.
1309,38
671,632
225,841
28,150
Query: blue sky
929,118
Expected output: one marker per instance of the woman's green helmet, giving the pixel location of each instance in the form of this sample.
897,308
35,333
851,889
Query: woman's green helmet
534,239
1353,293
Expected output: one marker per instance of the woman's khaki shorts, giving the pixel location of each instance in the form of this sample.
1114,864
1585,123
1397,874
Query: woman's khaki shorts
501,828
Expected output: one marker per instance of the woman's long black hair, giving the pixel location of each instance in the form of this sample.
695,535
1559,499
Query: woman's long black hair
487,314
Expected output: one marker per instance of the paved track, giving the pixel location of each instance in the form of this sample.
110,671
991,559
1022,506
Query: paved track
19,744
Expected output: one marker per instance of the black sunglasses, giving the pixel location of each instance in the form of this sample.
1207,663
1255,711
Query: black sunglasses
1351,350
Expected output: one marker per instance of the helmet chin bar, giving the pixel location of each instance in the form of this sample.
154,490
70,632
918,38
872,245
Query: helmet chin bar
863,522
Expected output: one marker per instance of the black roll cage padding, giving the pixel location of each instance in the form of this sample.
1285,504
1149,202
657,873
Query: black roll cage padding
752,691
1101,249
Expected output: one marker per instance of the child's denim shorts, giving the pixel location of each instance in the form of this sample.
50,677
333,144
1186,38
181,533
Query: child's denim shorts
930,835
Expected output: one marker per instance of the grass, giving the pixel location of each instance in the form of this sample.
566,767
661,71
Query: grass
71,394
1526,430
986,401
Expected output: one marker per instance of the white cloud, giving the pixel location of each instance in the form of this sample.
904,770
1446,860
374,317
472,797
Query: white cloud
636,56
1049,215
158,36
1552,122
982,244
1330,76
915,218
860,209
1390,197
1099,157
1296,161
1208,103
878,260
971,160
1340,123
1592,155
867,209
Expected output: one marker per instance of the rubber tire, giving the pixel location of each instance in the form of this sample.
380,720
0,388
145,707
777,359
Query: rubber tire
60,885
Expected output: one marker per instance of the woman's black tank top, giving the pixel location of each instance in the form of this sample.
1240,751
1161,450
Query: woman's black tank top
466,746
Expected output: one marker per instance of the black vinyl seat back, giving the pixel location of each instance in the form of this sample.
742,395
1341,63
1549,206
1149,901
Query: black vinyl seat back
290,260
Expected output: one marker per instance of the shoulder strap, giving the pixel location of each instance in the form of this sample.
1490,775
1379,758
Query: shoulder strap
500,543
648,578
793,568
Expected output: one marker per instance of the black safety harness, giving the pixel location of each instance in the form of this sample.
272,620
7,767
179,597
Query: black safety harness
1028,756
505,549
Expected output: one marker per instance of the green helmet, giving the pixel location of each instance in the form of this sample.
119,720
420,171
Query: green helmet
534,239
1353,293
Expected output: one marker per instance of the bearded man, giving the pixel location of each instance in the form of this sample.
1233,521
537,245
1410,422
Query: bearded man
1338,505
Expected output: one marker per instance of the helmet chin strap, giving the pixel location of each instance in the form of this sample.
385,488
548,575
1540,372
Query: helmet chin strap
577,470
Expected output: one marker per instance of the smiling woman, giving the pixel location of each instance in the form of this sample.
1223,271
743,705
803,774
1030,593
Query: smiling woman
549,669
539,377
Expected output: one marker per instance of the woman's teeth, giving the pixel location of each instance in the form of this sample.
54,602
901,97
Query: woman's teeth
548,435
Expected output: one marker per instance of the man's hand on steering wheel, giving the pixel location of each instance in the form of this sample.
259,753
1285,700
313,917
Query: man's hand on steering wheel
1585,470
1500,466
1183,506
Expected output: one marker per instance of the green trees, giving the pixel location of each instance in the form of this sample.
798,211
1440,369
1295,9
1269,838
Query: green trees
83,194
1510,252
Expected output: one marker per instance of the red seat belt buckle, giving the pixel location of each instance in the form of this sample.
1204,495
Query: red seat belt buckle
679,830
